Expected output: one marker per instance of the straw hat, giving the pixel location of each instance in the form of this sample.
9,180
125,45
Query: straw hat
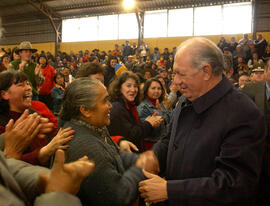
26,45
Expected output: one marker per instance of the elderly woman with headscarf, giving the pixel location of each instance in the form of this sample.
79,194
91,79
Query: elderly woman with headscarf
86,108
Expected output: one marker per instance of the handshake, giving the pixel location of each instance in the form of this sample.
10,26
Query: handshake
149,162
154,188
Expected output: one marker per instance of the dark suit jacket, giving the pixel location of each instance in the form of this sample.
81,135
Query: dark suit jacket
213,151
256,91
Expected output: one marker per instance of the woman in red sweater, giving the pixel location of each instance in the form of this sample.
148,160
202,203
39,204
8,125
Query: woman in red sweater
45,90
15,98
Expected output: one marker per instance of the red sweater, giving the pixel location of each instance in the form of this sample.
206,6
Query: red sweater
46,88
45,112
31,154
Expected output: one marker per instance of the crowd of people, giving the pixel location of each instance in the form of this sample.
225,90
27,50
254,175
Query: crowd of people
171,127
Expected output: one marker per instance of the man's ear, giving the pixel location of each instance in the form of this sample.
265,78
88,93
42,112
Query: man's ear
86,113
4,95
207,71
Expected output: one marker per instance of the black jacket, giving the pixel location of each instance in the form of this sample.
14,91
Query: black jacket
123,123
109,75
214,148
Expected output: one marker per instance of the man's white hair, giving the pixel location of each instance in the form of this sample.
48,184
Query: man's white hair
202,51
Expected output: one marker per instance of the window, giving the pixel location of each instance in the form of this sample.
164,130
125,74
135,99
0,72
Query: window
207,20
88,29
108,27
237,18
155,23
68,26
212,20
128,26
82,29
180,22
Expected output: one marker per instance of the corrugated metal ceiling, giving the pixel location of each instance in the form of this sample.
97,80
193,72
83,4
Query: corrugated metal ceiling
21,10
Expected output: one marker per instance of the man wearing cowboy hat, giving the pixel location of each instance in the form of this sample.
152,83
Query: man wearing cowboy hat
31,69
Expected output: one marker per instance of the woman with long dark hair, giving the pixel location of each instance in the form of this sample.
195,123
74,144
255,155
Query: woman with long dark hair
125,94
153,96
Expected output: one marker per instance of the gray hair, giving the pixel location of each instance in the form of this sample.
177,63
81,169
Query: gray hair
82,92
203,51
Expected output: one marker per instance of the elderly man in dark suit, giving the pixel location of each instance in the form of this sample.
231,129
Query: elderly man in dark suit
213,151
259,92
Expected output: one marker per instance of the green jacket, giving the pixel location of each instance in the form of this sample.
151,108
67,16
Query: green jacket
29,70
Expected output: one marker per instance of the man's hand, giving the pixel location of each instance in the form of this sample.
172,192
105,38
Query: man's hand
65,177
154,189
19,136
149,162
128,146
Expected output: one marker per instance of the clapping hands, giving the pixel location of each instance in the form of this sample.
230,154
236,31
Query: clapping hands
19,135
154,120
